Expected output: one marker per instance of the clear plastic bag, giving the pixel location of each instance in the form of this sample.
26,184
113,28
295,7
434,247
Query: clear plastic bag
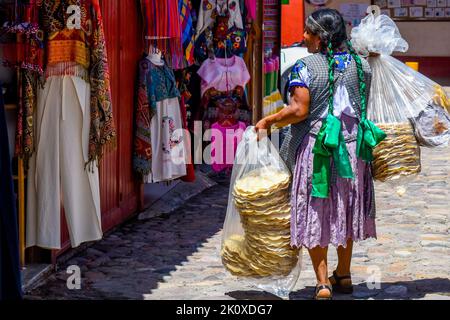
399,102
431,126
256,234
378,34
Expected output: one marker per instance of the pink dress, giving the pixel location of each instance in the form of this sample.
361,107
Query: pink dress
223,74
224,142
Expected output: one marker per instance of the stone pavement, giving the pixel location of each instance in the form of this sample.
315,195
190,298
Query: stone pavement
176,256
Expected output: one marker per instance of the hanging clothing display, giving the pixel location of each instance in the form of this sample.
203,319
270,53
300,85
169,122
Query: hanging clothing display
21,39
10,279
223,74
223,82
189,85
187,30
62,136
221,38
210,9
22,47
162,29
214,102
159,153
74,123
74,34
224,142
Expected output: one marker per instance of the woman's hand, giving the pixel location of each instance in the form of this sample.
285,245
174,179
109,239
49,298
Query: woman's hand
261,128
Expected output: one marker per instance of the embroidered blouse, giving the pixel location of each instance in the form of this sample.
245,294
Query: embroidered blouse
223,74
209,9
159,82
301,77
155,83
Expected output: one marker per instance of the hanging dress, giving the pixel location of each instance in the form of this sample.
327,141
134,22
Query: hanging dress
159,151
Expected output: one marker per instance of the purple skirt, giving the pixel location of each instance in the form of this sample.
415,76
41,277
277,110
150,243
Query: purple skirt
345,214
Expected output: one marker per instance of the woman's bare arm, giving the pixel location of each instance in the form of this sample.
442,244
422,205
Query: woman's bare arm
297,111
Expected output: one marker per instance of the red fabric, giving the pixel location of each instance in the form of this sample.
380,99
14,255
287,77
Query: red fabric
190,176
162,29
23,45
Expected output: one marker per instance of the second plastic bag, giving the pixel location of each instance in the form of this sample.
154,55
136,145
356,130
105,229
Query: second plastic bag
404,103
256,236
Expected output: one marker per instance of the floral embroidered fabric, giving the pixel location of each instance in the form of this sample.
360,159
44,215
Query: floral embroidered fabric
155,84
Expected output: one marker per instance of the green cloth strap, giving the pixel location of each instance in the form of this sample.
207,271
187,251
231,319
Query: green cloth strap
369,136
330,142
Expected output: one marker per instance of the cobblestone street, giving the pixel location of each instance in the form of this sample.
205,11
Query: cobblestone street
176,256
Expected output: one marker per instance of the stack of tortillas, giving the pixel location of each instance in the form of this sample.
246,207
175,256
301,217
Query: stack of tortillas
398,155
262,199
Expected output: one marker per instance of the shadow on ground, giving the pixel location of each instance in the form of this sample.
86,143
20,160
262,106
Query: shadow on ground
406,290
131,261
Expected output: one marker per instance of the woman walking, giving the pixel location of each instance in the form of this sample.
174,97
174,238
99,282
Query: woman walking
332,195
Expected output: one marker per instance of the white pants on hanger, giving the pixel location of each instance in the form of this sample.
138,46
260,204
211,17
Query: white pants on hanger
58,165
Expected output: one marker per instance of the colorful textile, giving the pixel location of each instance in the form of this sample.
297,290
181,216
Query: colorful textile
216,102
74,33
220,40
25,145
188,32
162,29
155,84
21,38
22,46
210,9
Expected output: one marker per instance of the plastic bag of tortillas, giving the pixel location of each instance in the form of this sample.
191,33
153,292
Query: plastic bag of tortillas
256,235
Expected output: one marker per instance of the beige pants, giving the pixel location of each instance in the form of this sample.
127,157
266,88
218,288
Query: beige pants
58,165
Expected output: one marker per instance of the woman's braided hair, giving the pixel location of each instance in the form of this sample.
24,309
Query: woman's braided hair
333,35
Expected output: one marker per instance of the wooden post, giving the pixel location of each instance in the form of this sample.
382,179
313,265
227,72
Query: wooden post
21,187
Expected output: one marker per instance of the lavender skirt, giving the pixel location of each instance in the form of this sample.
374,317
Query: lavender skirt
345,214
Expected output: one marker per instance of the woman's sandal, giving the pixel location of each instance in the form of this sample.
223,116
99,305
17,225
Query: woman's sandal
321,287
337,285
